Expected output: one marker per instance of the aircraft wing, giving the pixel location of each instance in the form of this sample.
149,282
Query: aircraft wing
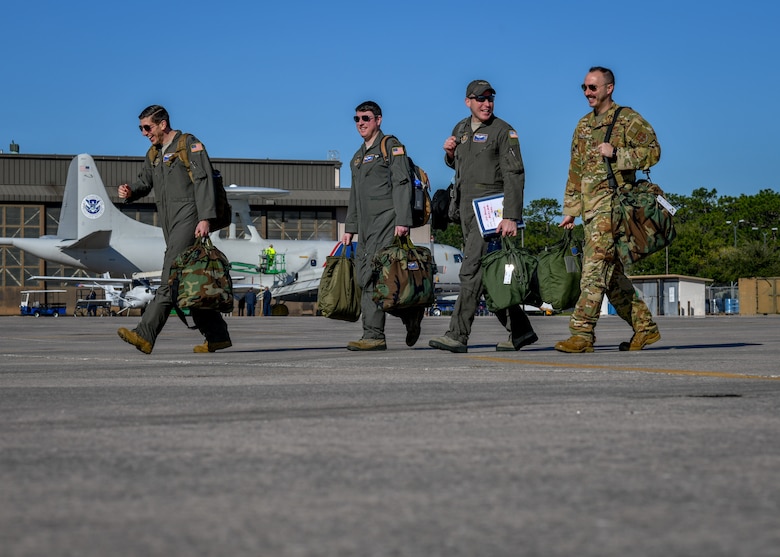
242,286
243,192
85,280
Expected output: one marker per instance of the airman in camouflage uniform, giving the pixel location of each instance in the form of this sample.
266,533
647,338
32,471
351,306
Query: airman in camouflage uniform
632,146
379,209
485,152
185,203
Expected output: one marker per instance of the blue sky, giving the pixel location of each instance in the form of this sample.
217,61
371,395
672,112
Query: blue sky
280,80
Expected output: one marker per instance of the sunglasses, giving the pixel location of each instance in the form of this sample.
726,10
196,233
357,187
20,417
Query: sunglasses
145,128
363,117
591,87
483,98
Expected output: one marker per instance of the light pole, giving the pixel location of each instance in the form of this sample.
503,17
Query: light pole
735,224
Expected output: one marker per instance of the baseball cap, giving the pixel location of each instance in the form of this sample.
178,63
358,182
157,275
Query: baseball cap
478,87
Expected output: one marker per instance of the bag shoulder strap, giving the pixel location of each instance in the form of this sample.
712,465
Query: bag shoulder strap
610,174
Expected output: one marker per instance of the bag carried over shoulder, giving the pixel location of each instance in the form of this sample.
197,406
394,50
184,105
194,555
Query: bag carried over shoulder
200,279
642,218
418,178
339,291
404,276
224,211
559,272
509,276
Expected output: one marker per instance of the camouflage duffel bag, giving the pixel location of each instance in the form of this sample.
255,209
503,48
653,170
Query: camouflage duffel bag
642,221
200,279
404,276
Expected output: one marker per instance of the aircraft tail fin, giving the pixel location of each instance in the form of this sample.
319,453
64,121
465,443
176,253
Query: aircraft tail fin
87,208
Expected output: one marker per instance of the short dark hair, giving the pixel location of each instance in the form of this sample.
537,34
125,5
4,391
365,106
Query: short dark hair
157,113
369,106
608,75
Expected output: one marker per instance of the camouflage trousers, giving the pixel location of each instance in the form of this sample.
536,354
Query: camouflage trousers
602,273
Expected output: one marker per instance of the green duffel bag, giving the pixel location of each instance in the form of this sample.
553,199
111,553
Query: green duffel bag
509,277
559,272
339,292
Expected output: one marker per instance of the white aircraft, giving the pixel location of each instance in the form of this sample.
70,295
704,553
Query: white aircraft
96,236
124,293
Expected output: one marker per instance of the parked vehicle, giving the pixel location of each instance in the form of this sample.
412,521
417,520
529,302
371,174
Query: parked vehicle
42,302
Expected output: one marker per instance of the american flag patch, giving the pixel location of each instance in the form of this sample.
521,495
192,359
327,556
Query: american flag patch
397,151
512,134
196,147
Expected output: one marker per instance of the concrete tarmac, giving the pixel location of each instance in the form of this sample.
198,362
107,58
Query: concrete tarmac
287,444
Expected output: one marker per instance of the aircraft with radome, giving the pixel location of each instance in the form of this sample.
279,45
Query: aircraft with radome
94,235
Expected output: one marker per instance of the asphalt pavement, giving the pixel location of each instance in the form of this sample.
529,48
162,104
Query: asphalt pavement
287,444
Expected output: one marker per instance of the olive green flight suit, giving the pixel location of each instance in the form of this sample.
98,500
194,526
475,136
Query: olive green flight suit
589,195
181,203
487,161
379,200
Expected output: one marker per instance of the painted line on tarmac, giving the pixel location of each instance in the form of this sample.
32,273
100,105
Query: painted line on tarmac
692,373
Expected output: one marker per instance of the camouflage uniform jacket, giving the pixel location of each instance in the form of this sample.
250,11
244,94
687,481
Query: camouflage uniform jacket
179,199
379,200
587,190
487,161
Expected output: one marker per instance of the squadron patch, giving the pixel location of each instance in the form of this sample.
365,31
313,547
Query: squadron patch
641,137
397,151
196,147
480,137
464,138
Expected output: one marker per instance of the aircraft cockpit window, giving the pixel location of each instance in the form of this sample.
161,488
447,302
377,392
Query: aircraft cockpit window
458,258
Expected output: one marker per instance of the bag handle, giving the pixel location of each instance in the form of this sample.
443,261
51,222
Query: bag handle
403,242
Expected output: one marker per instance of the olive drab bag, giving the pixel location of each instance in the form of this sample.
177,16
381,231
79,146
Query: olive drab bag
418,178
509,276
339,291
200,279
559,271
224,210
642,218
403,275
